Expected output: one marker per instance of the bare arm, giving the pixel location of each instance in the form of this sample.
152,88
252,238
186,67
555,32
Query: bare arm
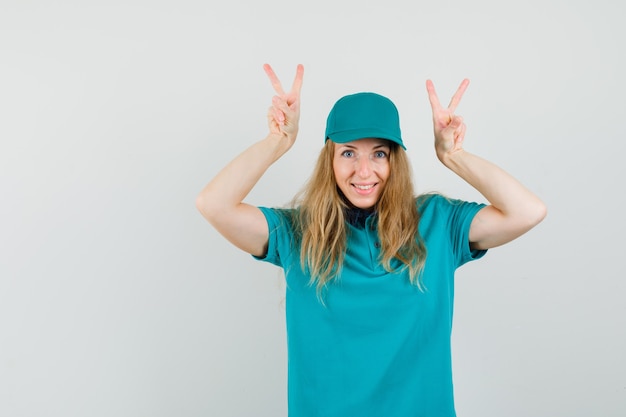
513,209
221,200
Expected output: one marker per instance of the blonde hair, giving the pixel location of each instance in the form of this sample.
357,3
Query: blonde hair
320,224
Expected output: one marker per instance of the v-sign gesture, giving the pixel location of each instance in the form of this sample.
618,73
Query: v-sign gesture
284,113
512,209
449,128
221,201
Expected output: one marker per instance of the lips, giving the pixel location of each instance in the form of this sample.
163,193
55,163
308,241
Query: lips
364,188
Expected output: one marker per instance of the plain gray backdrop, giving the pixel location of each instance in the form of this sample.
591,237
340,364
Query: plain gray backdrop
118,299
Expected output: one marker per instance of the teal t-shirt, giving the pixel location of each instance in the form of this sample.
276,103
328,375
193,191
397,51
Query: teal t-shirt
379,347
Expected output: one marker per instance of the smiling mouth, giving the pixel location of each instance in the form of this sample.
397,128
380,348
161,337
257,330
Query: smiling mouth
364,187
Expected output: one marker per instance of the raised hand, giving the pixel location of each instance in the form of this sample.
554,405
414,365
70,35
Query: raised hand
449,128
284,113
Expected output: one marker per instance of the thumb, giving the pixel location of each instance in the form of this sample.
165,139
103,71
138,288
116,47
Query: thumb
455,122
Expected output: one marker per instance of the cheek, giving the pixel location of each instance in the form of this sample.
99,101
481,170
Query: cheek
382,169
339,169
386,171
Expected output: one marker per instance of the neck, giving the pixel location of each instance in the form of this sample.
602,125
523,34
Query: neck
357,216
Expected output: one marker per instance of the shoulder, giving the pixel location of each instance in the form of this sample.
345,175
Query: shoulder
440,201
430,201
438,207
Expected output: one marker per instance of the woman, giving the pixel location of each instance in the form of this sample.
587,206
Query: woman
369,266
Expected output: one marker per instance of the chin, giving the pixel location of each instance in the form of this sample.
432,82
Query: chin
365,205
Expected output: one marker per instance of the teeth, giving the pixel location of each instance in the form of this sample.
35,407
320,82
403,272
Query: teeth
363,187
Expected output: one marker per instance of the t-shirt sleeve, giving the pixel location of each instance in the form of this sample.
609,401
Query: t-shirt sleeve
278,239
461,214
451,219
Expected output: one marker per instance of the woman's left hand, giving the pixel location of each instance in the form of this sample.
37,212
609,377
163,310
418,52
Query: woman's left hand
449,128
513,209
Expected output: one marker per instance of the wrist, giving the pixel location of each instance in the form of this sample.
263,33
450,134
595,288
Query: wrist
451,159
278,143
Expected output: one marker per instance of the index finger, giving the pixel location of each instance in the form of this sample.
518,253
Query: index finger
278,87
456,98
432,95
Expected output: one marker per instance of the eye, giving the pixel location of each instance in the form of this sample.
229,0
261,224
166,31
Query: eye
347,154
380,154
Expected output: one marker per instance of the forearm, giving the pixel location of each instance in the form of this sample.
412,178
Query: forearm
502,190
235,181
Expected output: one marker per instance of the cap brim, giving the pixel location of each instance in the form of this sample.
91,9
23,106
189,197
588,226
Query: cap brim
356,134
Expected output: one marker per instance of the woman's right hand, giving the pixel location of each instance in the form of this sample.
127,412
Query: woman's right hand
284,114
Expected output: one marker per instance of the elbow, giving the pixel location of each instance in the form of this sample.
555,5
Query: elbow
530,216
199,203
538,213
204,207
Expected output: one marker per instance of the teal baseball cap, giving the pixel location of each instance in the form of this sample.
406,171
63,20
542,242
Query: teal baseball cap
363,115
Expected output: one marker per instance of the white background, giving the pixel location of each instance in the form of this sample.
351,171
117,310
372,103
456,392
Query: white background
118,299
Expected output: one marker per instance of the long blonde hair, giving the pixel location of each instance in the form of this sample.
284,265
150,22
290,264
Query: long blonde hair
320,224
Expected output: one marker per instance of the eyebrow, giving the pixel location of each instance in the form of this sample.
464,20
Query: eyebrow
381,145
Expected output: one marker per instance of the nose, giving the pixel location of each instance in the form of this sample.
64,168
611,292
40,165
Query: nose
364,168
